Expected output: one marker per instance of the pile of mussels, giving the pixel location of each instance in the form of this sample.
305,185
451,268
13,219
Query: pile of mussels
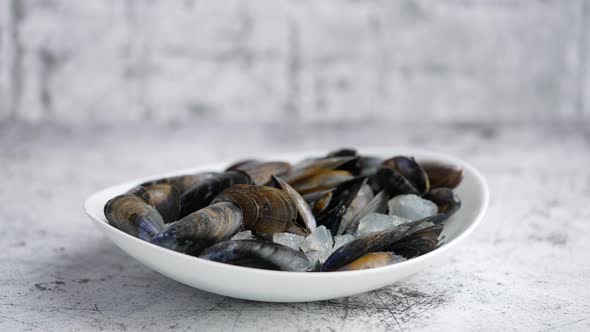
340,212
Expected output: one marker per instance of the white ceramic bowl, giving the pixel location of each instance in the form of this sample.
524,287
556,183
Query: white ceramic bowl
278,286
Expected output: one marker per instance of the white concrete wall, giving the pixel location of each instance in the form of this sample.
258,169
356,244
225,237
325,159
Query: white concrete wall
447,60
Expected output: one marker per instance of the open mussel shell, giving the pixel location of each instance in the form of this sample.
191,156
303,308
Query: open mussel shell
373,242
265,209
442,175
305,214
342,197
201,195
417,243
134,216
320,204
182,182
402,175
376,205
267,254
446,199
362,198
201,229
370,261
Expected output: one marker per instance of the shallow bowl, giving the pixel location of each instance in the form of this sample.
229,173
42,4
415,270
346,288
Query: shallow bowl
279,286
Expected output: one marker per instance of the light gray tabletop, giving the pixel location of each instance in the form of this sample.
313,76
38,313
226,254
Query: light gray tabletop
526,267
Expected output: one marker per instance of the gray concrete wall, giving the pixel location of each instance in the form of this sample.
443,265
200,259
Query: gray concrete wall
407,61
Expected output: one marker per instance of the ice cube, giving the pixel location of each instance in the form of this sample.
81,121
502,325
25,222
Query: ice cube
340,240
315,256
245,235
288,239
319,240
411,207
376,222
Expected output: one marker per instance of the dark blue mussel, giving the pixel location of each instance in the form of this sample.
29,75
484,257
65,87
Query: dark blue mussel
201,229
374,242
256,253
134,216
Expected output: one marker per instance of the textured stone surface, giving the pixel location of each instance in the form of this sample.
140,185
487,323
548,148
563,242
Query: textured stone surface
525,268
111,61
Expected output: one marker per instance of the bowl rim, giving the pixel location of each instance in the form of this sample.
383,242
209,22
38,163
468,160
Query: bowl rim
98,216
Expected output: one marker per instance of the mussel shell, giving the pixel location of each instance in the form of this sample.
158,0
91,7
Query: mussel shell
442,175
282,257
141,192
409,169
321,181
342,197
166,199
261,173
305,214
377,205
314,196
201,229
394,183
417,243
446,199
243,163
201,195
133,216
370,261
362,198
182,182
372,243
311,167
322,203
265,209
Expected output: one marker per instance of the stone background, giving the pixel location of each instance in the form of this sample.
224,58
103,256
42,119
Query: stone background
405,61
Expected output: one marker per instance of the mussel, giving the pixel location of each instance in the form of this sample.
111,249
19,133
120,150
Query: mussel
362,198
311,167
201,229
163,196
265,209
305,214
134,216
319,205
442,175
205,191
166,199
324,180
373,242
403,175
342,197
372,260
417,243
281,257
378,204
446,199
